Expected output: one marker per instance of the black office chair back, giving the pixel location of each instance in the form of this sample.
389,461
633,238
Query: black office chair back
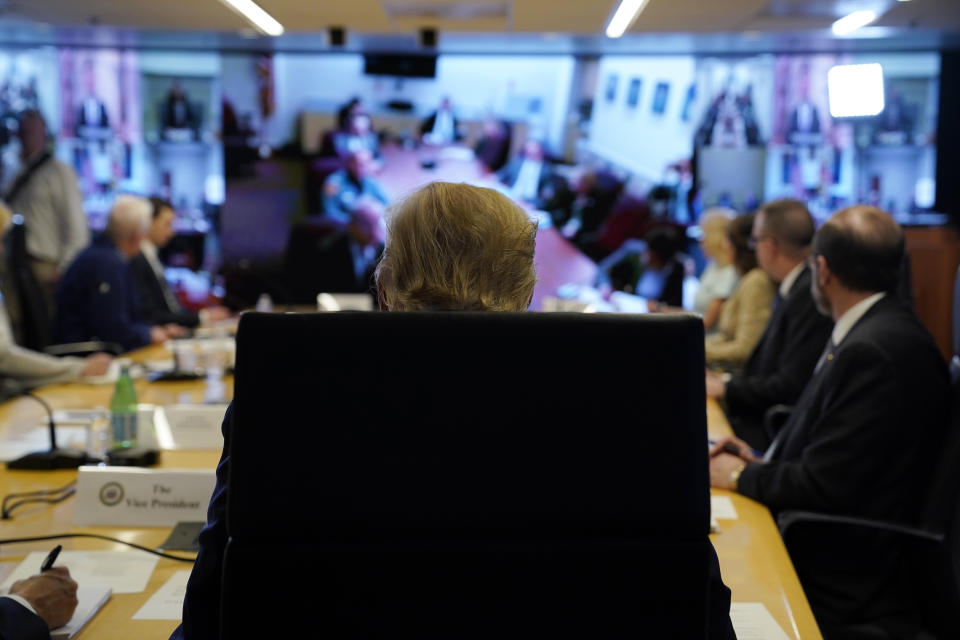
935,569
37,324
467,475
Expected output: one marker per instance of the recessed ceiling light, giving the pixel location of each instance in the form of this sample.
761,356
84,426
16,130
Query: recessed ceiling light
260,19
626,13
850,23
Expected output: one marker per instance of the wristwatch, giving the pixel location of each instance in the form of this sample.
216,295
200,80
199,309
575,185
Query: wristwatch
735,476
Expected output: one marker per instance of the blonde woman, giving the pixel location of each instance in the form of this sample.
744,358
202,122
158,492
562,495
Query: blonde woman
719,279
744,316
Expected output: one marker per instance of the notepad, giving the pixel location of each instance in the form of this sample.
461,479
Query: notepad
121,571
90,599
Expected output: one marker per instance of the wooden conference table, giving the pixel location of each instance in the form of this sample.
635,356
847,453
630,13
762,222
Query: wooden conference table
753,560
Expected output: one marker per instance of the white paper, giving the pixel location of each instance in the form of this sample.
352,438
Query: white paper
167,602
752,621
90,599
190,426
38,439
122,571
721,508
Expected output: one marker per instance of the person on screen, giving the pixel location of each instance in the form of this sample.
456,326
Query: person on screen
352,187
358,136
803,128
863,437
38,604
92,112
339,262
441,127
529,176
97,297
783,361
744,316
47,194
177,113
158,303
493,147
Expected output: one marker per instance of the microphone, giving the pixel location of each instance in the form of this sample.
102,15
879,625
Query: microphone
54,458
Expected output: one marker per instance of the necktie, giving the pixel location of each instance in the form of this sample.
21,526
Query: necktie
777,300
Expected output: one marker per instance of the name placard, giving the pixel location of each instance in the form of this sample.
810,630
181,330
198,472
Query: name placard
131,496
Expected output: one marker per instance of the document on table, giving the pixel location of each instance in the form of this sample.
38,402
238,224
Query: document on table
752,621
38,439
122,571
721,508
167,602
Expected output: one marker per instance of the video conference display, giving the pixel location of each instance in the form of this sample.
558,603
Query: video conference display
885,158
751,128
123,125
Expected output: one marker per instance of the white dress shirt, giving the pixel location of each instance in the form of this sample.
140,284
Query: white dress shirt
845,322
787,283
527,185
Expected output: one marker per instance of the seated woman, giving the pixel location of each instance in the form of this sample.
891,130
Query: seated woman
744,315
719,278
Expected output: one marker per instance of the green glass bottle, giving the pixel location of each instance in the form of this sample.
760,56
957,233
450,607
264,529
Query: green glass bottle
123,412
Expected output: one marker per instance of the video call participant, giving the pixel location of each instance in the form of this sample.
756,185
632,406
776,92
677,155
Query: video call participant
442,126
46,193
97,296
158,304
781,364
861,438
345,189
38,604
529,176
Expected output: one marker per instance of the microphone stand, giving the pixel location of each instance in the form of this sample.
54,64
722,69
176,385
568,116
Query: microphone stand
54,458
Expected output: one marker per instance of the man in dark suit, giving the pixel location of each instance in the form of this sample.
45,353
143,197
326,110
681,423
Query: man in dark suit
38,604
783,360
441,127
859,440
158,304
530,176
97,297
320,260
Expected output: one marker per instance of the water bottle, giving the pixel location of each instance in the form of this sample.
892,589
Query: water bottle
123,412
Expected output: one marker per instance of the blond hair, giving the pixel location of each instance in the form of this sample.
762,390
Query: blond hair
457,247
714,223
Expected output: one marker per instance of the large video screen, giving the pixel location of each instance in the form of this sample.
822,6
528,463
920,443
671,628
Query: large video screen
126,121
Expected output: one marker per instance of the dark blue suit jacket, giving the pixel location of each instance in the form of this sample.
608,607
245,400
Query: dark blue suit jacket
97,299
18,623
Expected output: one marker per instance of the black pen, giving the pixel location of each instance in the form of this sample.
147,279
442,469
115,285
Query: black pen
50,559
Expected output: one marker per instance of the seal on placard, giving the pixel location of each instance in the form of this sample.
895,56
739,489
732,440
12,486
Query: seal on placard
111,494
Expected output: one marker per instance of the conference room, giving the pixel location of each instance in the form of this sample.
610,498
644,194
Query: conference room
523,318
